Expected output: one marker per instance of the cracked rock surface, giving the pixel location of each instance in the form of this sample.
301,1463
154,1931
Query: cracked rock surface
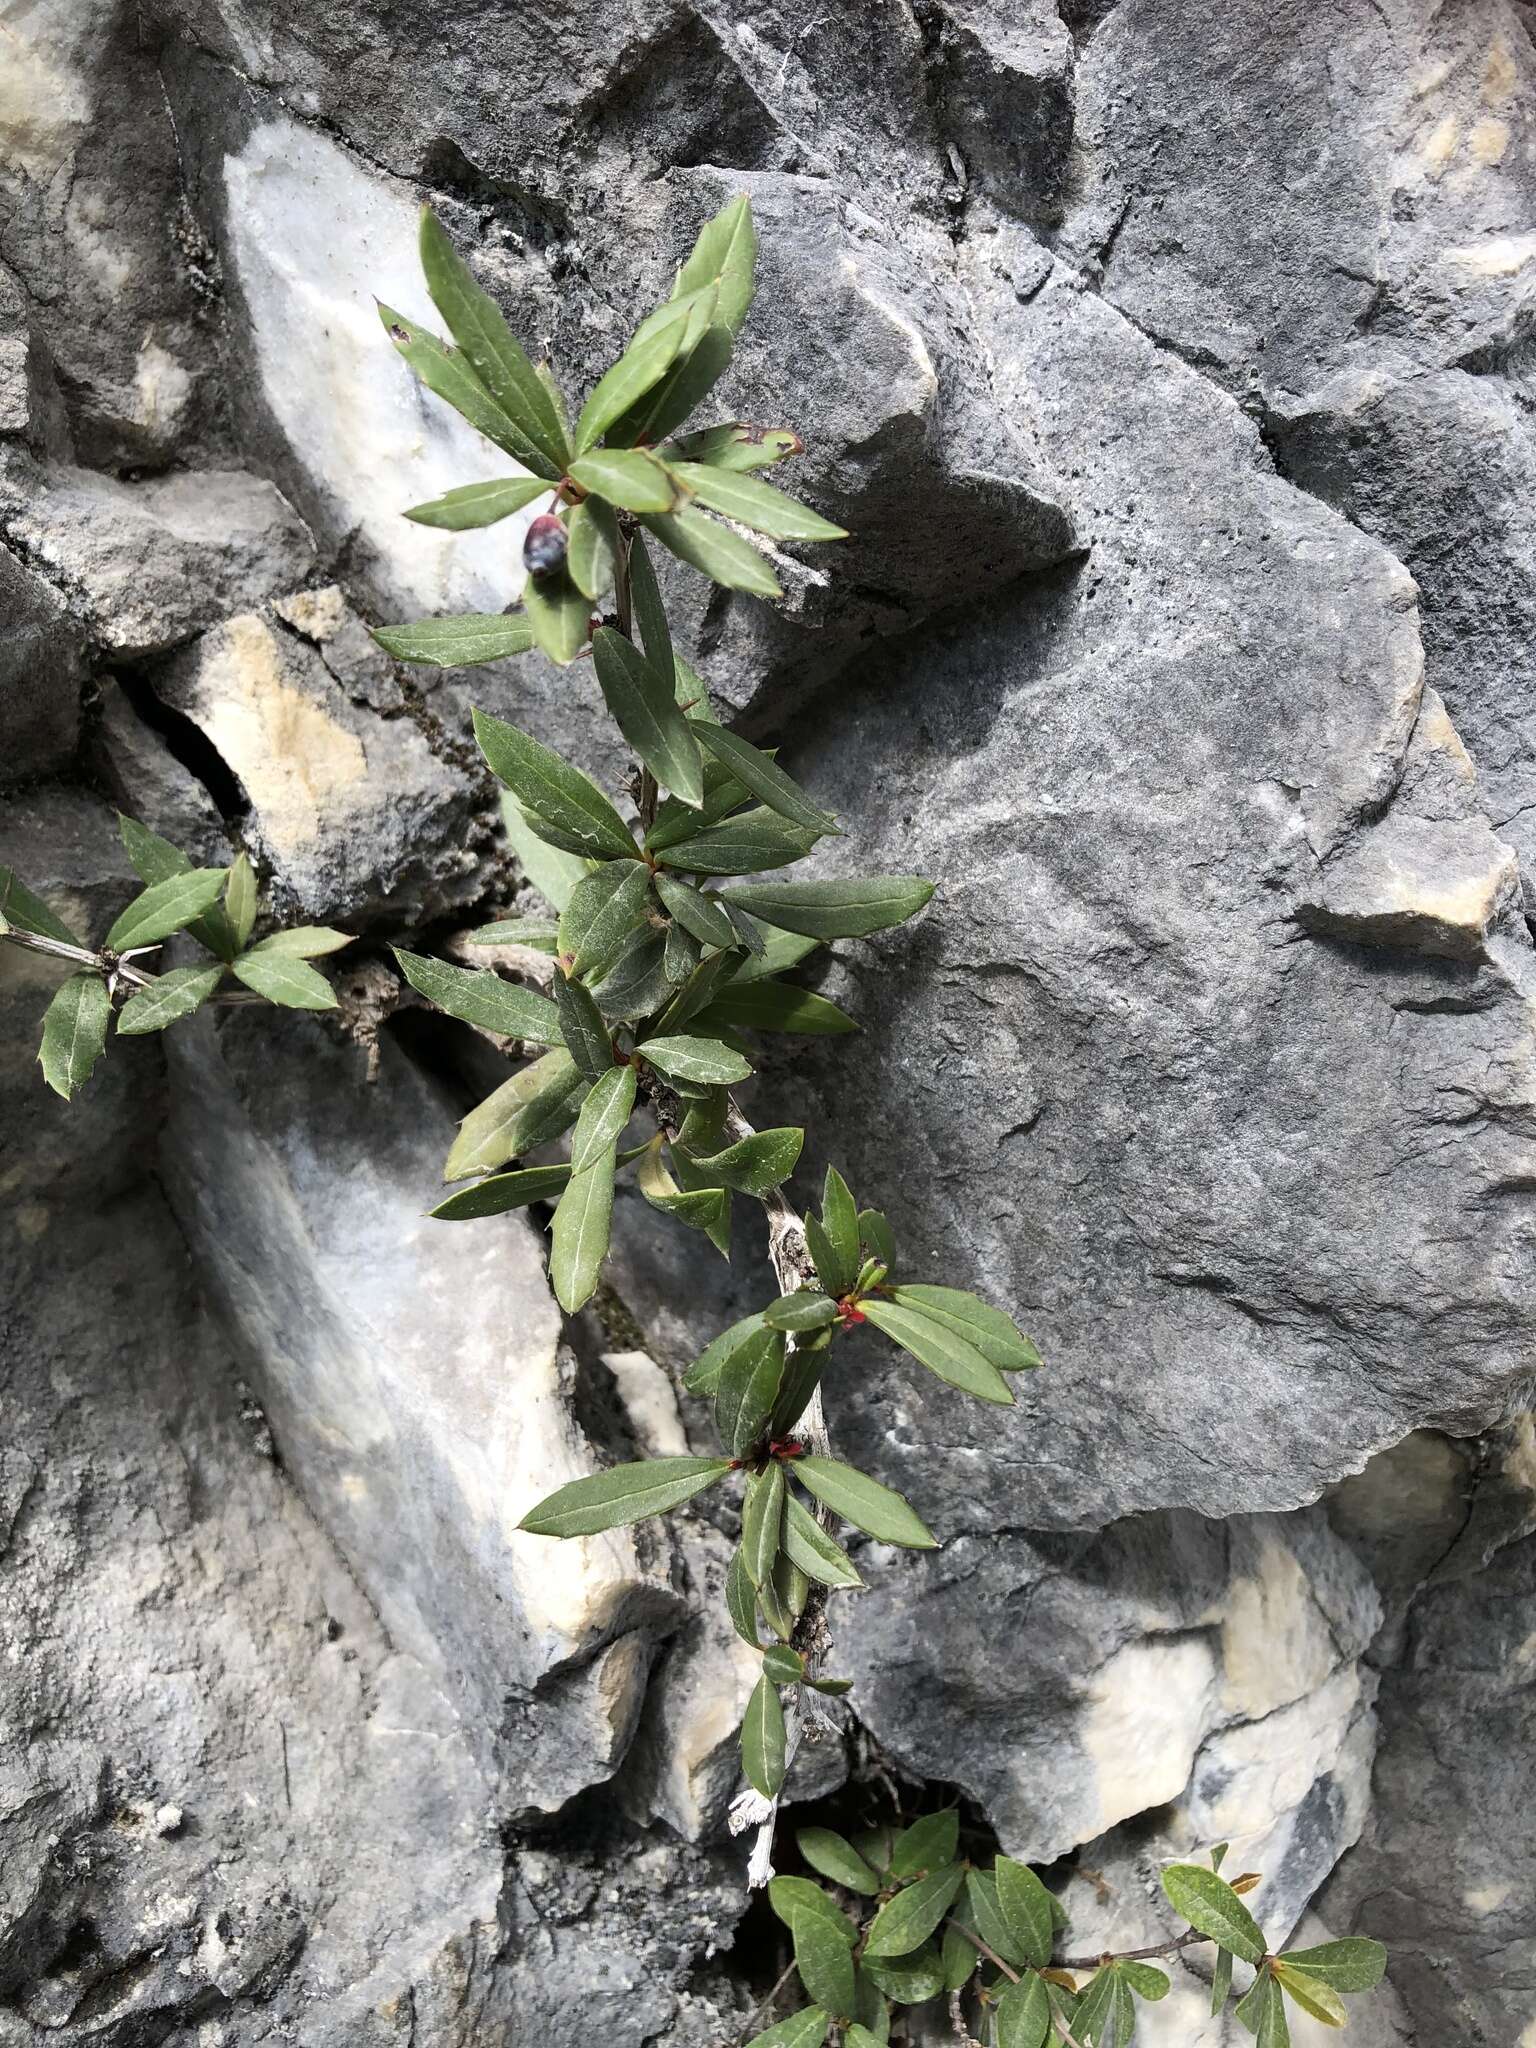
1173,369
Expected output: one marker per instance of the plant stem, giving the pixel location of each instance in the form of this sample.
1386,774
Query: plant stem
108,965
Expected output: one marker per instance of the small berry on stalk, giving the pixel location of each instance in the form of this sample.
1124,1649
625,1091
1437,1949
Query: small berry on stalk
544,546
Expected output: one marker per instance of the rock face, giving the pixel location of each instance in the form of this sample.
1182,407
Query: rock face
1172,368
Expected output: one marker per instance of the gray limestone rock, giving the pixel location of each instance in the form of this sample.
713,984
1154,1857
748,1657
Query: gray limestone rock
41,674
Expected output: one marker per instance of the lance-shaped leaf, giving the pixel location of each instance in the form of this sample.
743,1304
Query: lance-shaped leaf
645,710
758,505
579,1234
622,1494
499,1192
558,614
1094,2022
749,1380
724,255
1353,1964
1274,2029
910,1979
291,983
154,859
628,478
29,913
704,1060
797,1898
479,504
761,774
945,1353
1144,1980
651,613
643,364
757,839
581,1024
982,1327
682,954
604,1114
906,1921
541,933
762,1511
703,1376
804,2029
875,1238
479,327
457,643
849,908
552,788
1211,1906
784,1665
1026,1905
604,908
699,366
775,952
1023,2011
448,372
801,1311
304,941
1314,1997
928,1844
705,544
592,548
695,912
476,996
837,1859
165,907
873,2029
552,873
175,994
981,1892
636,986
741,1600
1221,1980
74,1032
878,1510
760,1005
762,1757
822,1958
738,445
240,899
535,1105
676,821
809,1546
752,1165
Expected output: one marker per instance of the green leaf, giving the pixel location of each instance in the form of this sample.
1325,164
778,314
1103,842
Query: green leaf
935,1345
28,913
807,1545
624,1493
479,327
928,1844
849,908
725,254
606,1111
292,984
165,907
535,1105
74,1032
761,1513
738,445
705,1060
906,1921
756,1164
592,547
803,1368
699,366
1354,1964
628,478
1221,1980
1025,1904
681,954
703,1376
757,839
1311,1994
651,613
554,789
580,1231
837,1859
552,873
797,1898
175,994
581,1025
676,821
741,1600
762,1758
541,933
1145,1981
878,1510
1211,1906
648,714
448,373
479,504
637,983
1274,2028
909,1979
304,941
604,908
873,2026
696,913
840,1223
643,364
499,1192
240,900
749,1381
821,1955
783,1665
154,859
1023,2013
755,504
978,1325
761,774
457,643
779,950
804,2029
801,1311
476,996
723,556
559,616
1249,2007
981,1890
1094,2020
875,1238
